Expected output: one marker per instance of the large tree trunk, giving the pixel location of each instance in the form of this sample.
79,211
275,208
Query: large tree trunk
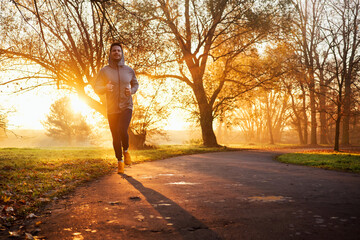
205,109
305,118
206,123
323,122
322,105
313,139
338,120
345,140
337,130
299,130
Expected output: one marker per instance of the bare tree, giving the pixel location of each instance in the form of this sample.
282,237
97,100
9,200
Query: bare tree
344,41
349,12
3,124
263,118
194,30
263,112
308,38
65,43
150,113
61,40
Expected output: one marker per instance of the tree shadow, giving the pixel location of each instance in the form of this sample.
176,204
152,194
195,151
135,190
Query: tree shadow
181,220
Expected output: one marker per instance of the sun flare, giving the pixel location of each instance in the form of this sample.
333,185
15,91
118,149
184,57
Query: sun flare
79,106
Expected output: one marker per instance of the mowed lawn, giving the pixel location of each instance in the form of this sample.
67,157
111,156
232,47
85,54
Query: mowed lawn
348,161
31,177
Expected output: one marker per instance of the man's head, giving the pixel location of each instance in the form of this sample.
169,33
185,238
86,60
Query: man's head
115,52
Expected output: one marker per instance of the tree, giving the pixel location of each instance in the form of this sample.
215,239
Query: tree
267,108
3,124
150,112
348,48
193,31
294,86
62,123
308,37
263,118
344,41
65,43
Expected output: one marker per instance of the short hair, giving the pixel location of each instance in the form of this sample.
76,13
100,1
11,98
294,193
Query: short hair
115,44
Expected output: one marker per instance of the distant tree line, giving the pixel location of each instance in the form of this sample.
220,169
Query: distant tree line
318,94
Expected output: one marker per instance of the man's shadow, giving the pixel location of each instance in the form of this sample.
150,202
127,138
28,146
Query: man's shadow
182,221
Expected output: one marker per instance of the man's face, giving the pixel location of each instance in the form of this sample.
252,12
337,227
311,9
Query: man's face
116,53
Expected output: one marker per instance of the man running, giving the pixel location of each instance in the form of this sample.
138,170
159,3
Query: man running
118,82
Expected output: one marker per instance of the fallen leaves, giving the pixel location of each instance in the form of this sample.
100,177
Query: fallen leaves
14,234
140,217
29,236
31,215
8,209
136,198
5,199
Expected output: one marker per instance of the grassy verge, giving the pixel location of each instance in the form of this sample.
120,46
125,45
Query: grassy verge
31,177
264,146
342,161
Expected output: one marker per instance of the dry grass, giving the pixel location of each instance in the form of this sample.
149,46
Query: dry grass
31,177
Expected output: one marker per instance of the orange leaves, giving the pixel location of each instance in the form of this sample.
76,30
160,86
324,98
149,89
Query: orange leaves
5,199
58,177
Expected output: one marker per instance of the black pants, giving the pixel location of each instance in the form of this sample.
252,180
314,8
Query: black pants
119,124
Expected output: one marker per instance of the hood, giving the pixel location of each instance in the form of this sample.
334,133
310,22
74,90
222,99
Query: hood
120,63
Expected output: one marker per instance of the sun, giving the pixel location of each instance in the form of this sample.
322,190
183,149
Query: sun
78,106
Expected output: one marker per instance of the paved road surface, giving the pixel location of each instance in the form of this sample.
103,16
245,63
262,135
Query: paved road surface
232,195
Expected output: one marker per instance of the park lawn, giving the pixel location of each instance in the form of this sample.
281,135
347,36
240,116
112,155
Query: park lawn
341,161
31,177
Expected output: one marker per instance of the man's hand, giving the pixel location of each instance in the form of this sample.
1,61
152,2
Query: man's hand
109,87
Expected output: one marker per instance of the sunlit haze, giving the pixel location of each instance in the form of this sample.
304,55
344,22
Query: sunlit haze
31,108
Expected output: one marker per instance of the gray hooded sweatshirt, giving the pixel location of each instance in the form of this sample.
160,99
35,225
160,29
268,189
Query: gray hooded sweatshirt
121,76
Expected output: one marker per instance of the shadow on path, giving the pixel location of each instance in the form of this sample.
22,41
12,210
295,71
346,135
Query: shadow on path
182,221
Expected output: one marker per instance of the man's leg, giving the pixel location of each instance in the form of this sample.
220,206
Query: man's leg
124,125
114,123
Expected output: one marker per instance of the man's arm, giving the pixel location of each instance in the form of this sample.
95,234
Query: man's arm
100,83
134,83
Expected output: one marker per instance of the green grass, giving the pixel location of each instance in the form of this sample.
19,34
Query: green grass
263,146
30,177
349,162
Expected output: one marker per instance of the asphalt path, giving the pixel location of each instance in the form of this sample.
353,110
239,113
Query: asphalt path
231,195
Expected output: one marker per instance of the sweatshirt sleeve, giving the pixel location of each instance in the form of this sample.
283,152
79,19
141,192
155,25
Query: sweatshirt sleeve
100,83
134,83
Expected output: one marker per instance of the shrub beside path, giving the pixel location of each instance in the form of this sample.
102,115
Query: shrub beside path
225,195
